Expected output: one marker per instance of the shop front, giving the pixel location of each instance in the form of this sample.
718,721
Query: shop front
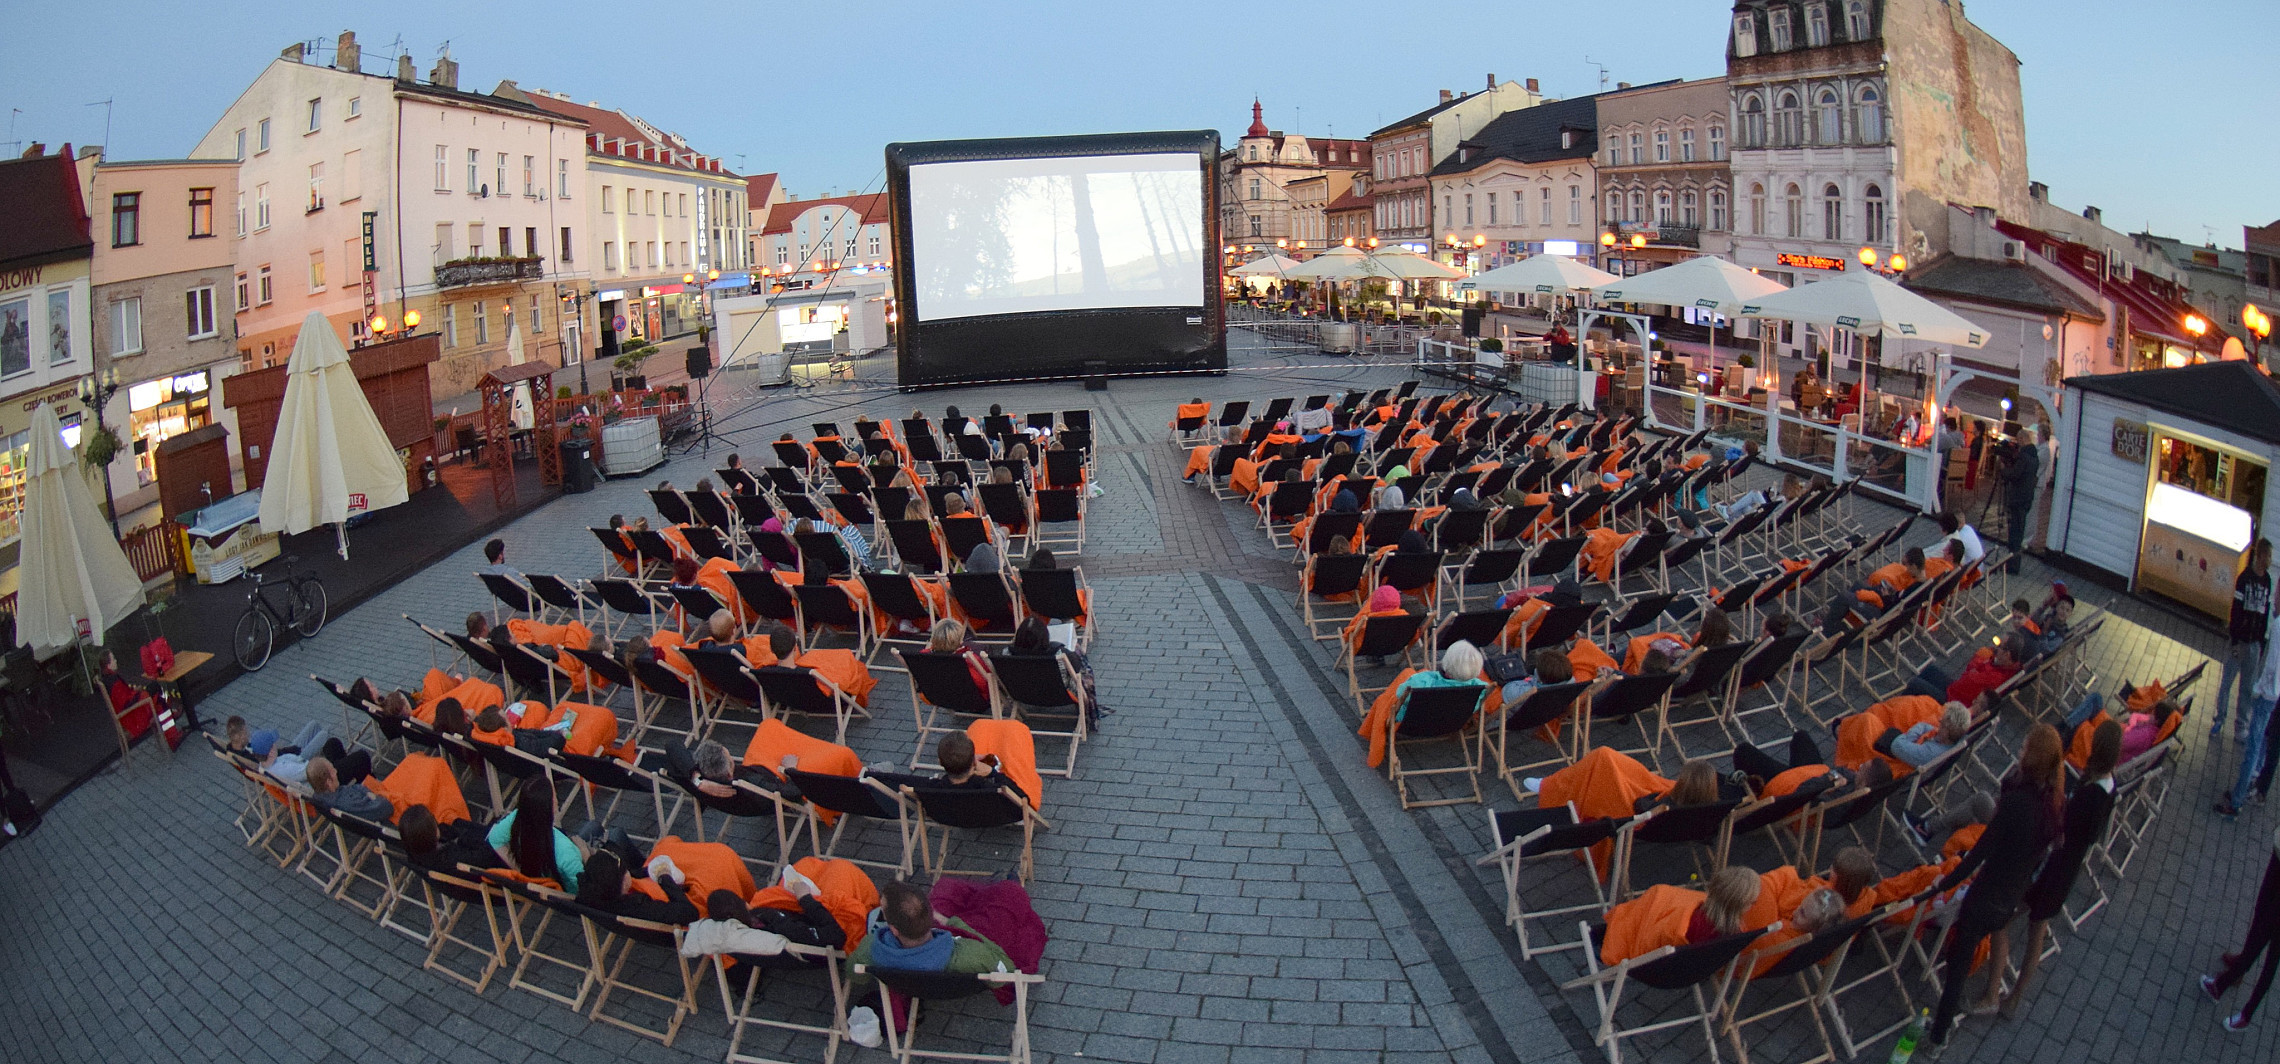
159,410
2162,477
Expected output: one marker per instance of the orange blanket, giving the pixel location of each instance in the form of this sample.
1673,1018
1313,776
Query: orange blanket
474,696
1526,618
1779,893
1600,548
705,867
569,636
1658,917
1378,723
422,779
1603,783
840,885
775,740
593,729
841,667
1185,412
1635,655
1587,659
713,577
1199,461
1857,734
1016,753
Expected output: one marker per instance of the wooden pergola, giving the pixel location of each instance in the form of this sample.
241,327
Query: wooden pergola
498,387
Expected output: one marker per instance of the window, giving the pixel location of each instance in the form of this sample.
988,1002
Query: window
1757,210
506,242
474,240
244,294
1468,209
535,322
1832,213
653,260
240,156
1575,204
562,179
507,317
1745,35
1777,28
1663,215
1872,215
1662,145
1614,203
443,231
1519,207
201,212
482,324
1868,121
352,175
684,204
262,292
1788,121
260,207
316,187
1717,210
442,168
1638,205
1828,116
126,326
609,200
1638,149
1254,188
316,271
1448,208
1254,225
355,106
261,136
126,219
1686,144
1753,123
1491,198
1856,20
240,209
1544,207
474,171
530,241
199,303
874,244
609,255
668,253
499,174
1817,25
1793,210
566,245
451,325
1717,143
648,201
316,115
530,175
1689,209
1614,151
783,254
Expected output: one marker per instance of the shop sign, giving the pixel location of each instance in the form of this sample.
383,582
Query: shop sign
24,278
2130,438
370,217
1811,262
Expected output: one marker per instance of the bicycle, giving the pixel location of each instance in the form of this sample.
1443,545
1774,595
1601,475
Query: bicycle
304,611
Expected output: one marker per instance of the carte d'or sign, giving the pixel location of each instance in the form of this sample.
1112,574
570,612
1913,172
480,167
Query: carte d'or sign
1811,262
2130,438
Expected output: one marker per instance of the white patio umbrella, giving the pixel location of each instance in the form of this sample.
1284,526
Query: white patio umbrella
329,445
522,414
1267,265
1541,274
1869,305
1408,265
73,568
1316,268
1706,282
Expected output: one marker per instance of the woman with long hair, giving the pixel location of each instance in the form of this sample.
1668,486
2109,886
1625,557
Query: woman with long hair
2088,811
528,841
2001,866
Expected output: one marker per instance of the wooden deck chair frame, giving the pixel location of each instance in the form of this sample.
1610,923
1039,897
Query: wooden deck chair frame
829,607
1627,698
1347,654
777,685
614,595
880,797
1663,969
523,900
262,817
902,1045
930,802
450,897
1542,706
464,651
1013,675
1772,666
561,600
941,684
610,939
738,1007
363,841
1706,831
595,772
1437,722
1813,961
1887,965
904,587
1549,835
1322,615
1501,563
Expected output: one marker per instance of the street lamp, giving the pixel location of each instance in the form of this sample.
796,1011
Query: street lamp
2259,325
95,392
1868,257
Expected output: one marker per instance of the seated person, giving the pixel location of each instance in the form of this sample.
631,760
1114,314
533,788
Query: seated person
1853,876
1551,668
442,848
135,707
1385,601
712,772
1034,640
527,841
809,922
352,798
608,886
1460,667
1989,668
1803,770
1820,910
906,935
2053,623
1978,807
1924,742
1877,593
1863,736
1665,915
960,770
2141,728
290,761
1606,783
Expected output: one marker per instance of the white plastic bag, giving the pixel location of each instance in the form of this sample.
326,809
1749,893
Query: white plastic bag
863,1027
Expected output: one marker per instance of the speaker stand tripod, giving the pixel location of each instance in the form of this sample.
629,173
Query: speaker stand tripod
701,413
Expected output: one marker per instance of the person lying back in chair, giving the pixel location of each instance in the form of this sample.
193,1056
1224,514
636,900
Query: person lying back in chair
906,934
443,847
713,772
608,886
351,798
960,770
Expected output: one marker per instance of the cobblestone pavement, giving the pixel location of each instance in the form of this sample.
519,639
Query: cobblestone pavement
1225,879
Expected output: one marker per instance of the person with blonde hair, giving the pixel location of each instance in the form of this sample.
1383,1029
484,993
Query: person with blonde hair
1732,892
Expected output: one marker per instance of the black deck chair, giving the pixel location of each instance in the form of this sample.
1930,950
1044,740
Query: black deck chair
1481,628
1623,700
1064,468
855,508
1711,671
533,676
1560,624
1737,598
1552,559
791,689
1384,636
944,681
1438,713
697,603
605,668
1036,682
671,506
1642,611
827,447
889,501
960,535
826,550
1542,706
1384,527
1529,477
949,475
1053,593
923,446
709,509
791,453
1646,558
955,426
618,547
789,477
655,685
1276,467
754,509
1460,530
1288,502
1076,420
763,595
1763,814
1497,479
898,597
705,541
1675,556
972,810
986,602
916,545
1278,408
729,681
1492,568
1233,413
1331,526
1008,505
1688,826
855,797
625,597
1077,440
1334,466
738,481
1332,574
1411,573
1514,521
972,447
1584,508
996,425
1449,485
515,597
830,606
801,507
1020,471
653,547
477,652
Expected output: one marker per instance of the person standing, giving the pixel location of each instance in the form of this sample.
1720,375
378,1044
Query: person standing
2257,751
2088,812
2263,938
2245,634
2020,482
2001,866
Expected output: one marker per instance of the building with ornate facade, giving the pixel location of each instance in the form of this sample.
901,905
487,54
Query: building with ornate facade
1255,177
1663,173
1404,153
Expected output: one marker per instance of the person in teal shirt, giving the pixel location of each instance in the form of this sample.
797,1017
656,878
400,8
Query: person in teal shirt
528,841
1460,667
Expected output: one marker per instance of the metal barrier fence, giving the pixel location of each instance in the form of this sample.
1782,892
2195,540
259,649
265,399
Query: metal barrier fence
1529,380
1905,474
1305,333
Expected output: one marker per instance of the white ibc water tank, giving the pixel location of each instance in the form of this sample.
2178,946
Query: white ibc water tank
631,446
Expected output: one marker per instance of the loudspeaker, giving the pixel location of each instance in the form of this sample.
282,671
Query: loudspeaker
700,362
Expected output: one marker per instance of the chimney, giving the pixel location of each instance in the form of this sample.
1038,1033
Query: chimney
292,54
1446,95
346,55
1621,85
35,151
445,74
1492,82
406,73
2038,192
1532,89
2096,216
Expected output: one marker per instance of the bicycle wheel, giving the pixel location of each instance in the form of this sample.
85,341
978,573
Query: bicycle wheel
312,612
255,632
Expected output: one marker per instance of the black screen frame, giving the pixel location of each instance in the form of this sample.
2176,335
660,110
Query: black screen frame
1056,344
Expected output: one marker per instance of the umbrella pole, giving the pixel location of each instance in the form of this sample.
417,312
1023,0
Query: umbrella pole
340,533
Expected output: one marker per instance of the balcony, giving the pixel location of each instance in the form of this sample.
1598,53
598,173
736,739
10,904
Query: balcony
463,273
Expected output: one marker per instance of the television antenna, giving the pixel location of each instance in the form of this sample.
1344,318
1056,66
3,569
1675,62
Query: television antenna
14,145
1590,62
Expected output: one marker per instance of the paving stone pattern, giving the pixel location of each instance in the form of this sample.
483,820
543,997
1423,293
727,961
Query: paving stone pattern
1225,880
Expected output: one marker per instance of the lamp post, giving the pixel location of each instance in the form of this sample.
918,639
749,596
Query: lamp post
2259,326
95,392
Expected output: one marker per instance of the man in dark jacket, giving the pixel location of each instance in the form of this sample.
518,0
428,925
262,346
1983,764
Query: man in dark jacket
2021,479
2245,640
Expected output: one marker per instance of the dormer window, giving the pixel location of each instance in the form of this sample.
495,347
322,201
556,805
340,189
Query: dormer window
1567,138
1745,34
1777,27
1817,25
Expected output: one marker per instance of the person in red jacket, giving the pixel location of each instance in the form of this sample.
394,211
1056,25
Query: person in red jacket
1987,670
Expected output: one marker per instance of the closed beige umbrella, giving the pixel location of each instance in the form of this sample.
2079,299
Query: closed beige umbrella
72,568
330,457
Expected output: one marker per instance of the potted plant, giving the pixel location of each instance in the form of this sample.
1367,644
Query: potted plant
101,446
1492,345
1746,361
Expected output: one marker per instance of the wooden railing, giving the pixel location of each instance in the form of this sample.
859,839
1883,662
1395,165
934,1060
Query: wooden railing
153,551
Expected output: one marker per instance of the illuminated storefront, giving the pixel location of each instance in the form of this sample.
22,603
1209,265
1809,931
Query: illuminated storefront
162,409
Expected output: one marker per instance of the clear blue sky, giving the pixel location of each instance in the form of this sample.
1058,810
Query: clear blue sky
2162,116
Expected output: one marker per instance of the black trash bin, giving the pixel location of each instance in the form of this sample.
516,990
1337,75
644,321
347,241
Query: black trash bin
578,474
